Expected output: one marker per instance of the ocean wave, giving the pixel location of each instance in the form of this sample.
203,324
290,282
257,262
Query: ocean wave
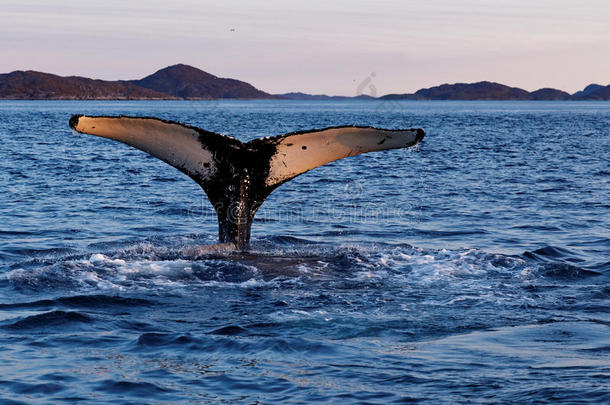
79,301
51,319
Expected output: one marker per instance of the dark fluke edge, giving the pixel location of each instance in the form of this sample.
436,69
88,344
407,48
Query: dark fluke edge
186,82
237,177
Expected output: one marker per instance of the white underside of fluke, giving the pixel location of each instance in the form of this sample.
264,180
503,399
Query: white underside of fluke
173,143
302,152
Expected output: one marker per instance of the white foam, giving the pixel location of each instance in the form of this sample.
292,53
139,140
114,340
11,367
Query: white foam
14,275
142,266
426,267
100,259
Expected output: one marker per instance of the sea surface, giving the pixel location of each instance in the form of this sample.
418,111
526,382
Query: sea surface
473,268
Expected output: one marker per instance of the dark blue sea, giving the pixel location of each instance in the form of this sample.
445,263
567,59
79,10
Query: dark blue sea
473,268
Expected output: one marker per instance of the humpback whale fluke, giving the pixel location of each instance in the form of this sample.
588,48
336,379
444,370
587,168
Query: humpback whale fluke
237,176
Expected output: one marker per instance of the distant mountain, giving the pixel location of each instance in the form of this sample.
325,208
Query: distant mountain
173,82
599,94
497,91
593,92
405,96
473,91
466,91
549,94
586,91
191,83
38,85
305,96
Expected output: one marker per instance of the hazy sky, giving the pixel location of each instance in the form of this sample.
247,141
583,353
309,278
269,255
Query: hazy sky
316,46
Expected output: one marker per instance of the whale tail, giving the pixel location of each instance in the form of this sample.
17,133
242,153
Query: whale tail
237,176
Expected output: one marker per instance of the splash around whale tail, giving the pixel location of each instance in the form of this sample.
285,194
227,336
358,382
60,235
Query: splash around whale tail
237,176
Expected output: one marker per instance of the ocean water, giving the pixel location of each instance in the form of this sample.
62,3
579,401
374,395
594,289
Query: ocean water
474,268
